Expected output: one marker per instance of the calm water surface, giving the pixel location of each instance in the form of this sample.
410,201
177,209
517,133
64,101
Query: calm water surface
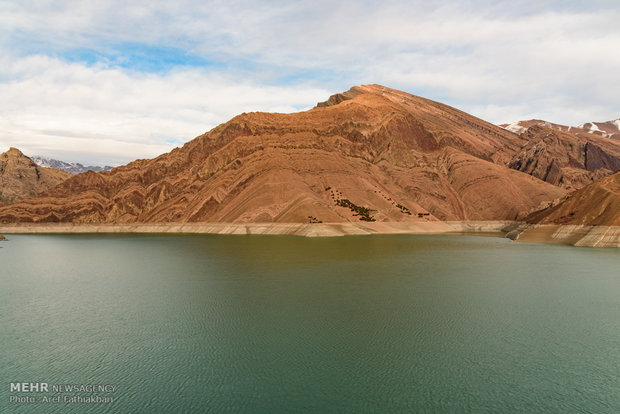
270,324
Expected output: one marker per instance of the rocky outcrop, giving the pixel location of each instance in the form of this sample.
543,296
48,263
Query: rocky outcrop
570,160
20,177
380,155
598,157
337,98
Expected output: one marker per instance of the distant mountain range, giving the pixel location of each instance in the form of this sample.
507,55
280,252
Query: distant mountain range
607,129
70,167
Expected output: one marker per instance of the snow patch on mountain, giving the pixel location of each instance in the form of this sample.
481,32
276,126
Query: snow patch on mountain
71,167
515,127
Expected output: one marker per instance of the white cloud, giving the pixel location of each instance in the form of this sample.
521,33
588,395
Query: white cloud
501,61
94,114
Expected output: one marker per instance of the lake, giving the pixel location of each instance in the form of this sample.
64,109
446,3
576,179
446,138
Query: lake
270,324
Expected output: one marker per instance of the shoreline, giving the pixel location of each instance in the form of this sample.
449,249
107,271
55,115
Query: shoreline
567,234
592,236
294,229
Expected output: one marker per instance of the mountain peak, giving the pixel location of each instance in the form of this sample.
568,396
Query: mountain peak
15,152
337,98
373,89
20,177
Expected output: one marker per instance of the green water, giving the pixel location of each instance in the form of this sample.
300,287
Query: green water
270,324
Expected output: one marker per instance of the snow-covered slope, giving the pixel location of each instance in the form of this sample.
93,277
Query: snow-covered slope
607,129
71,167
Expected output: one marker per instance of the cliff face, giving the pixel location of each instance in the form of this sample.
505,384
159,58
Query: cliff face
597,204
569,157
372,153
20,177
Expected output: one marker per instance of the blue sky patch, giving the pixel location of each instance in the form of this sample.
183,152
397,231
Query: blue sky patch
137,57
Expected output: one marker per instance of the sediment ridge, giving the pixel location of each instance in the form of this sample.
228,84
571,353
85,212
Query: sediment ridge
593,236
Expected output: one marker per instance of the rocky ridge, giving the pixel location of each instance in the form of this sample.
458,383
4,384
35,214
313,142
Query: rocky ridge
569,157
369,154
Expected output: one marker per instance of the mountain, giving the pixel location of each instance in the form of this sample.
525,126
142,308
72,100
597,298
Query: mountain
569,157
607,129
371,153
597,204
70,167
610,129
20,177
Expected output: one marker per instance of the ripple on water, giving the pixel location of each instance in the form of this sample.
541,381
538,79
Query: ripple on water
354,324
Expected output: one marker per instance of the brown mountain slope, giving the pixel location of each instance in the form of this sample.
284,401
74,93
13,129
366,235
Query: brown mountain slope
371,153
597,204
20,177
569,157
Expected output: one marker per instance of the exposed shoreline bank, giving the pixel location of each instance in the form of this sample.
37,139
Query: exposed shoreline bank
572,235
594,236
295,229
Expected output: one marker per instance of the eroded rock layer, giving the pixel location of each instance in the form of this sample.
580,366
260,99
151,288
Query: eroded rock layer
371,154
569,157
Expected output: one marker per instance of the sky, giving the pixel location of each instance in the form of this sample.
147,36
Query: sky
107,82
